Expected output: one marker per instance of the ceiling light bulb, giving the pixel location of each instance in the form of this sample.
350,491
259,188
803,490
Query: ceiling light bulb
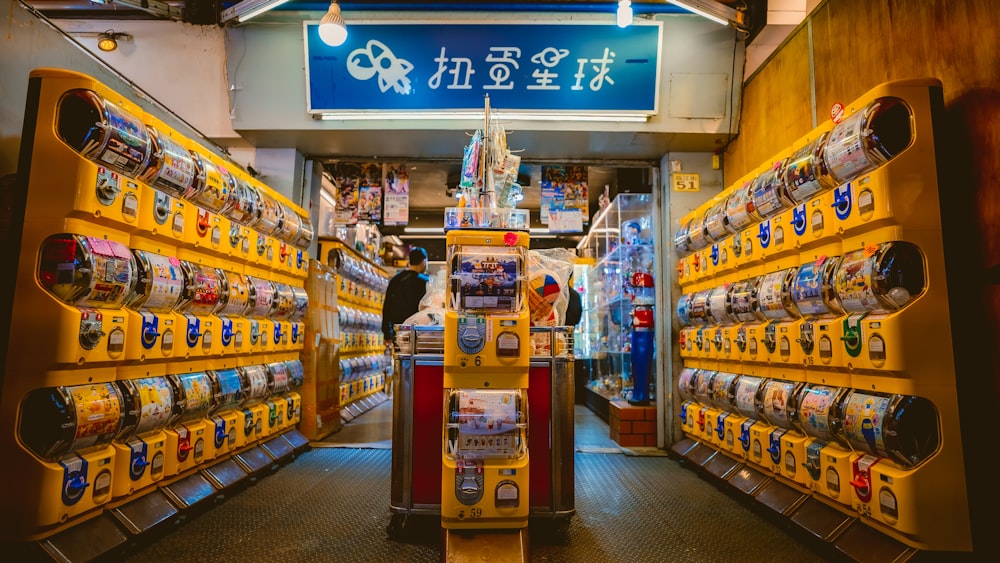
624,13
332,29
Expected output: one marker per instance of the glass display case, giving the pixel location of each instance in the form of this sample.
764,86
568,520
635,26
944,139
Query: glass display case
621,245
585,333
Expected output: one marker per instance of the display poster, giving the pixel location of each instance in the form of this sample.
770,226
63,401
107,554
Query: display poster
487,423
358,192
346,210
489,279
564,188
565,221
370,203
397,195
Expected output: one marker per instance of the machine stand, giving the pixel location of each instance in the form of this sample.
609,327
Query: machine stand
864,543
779,497
254,461
821,520
278,448
296,439
85,541
145,512
225,474
465,546
189,491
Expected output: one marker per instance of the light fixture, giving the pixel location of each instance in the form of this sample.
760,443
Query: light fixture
424,230
328,197
108,40
332,29
715,11
624,13
247,9
478,115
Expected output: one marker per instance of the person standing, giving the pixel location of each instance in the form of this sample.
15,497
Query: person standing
574,308
403,295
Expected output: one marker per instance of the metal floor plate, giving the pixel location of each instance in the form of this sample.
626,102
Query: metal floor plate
332,504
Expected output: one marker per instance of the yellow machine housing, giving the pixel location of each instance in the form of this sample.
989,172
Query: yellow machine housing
484,479
485,465
491,332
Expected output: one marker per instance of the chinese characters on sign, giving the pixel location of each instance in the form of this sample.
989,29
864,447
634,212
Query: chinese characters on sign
551,67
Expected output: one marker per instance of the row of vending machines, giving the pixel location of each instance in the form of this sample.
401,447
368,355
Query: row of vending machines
157,308
811,314
814,325
101,442
360,358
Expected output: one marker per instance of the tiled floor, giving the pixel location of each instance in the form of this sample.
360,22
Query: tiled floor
332,504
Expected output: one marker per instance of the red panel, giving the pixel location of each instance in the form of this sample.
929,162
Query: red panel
428,408
539,437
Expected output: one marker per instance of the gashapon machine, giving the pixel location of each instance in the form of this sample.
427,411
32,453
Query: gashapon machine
200,300
234,327
224,427
723,333
154,330
723,390
829,458
685,389
140,447
485,465
754,430
869,424
771,203
188,431
485,474
252,413
276,403
702,387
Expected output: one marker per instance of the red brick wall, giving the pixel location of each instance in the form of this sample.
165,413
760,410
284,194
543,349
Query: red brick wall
632,426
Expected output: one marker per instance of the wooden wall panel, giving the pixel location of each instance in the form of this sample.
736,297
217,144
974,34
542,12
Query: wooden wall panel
775,109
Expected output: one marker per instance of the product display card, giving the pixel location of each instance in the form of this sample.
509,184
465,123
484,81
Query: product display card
489,280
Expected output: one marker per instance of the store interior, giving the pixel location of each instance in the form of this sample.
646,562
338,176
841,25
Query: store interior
218,347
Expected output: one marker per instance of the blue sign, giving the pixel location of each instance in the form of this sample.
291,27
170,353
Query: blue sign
551,67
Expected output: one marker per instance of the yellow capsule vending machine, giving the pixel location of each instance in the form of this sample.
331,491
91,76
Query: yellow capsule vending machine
484,481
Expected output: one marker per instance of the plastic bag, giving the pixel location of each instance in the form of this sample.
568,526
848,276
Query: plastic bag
434,296
431,316
548,288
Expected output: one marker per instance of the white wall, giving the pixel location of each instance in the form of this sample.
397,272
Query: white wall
181,65
163,77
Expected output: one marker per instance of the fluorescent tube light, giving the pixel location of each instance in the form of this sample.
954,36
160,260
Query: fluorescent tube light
247,9
710,9
424,230
478,115
328,197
